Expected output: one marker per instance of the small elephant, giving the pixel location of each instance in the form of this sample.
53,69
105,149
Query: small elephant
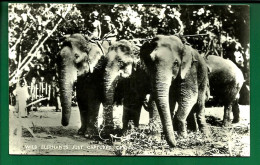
125,79
225,80
178,74
80,63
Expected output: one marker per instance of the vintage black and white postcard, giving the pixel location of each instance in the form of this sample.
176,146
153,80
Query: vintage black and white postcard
129,79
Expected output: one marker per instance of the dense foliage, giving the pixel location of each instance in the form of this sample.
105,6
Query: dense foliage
35,30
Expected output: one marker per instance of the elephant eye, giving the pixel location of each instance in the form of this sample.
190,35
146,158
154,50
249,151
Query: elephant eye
176,63
76,55
121,64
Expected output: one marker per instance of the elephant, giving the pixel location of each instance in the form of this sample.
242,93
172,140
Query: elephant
126,79
178,74
98,80
80,63
225,81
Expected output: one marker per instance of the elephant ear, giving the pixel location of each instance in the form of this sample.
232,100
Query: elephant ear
209,69
187,59
90,61
146,50
94,54
136,56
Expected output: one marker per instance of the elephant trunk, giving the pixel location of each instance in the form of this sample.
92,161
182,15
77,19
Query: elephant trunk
68,75
161,88
110,82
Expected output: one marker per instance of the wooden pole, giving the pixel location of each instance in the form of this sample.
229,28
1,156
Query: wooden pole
195,35
37,101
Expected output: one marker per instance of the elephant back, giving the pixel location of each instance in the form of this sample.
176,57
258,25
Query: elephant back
220,65
225,78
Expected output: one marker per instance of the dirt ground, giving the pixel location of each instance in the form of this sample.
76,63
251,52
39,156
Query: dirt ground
53,139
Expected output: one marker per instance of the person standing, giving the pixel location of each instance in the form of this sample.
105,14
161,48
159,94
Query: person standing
43,91
33,89
22,96
57,101
33,92
55,95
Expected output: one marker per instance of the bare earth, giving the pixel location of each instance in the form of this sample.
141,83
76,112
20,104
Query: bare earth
53,139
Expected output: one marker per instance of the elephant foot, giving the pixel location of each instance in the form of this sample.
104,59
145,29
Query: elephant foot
226,123
156,136
81,131
171,142
206,131
192,128
90,133
124,132
182,134
88,136
106,131
236,121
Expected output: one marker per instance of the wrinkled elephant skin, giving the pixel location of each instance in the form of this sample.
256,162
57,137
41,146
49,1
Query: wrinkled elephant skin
178,74
125,79
78,63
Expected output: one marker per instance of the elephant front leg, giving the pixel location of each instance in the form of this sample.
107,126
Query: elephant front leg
154,116
180,118
186,112
172,103
92,117
154,120
108,122
83,118
192,121
83,109
199,108
89,109
200,115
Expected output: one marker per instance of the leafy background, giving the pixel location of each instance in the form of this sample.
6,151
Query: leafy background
36,30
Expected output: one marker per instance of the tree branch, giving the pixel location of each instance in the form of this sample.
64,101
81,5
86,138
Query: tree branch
32,54
24,32
19,39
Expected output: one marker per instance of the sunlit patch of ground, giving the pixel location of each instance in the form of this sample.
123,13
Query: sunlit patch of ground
54,139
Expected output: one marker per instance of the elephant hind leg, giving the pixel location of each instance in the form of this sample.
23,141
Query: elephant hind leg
131,112
226,117
236,112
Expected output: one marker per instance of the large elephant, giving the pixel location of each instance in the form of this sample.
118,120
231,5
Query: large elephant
80,63
125,79
225,80
178,74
